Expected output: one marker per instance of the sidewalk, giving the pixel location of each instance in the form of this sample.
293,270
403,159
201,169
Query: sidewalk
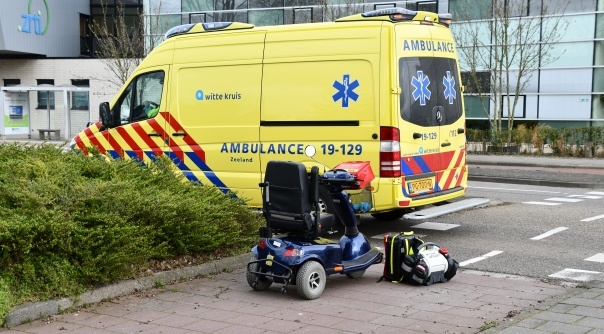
542,171
471,302
223,302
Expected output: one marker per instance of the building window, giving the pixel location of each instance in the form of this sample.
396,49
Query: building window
79,100
476,83
197,5
266,17
428,6
46,97
463,10
106,16
12,82
85,37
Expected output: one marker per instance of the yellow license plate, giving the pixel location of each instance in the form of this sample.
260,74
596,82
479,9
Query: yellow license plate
420,185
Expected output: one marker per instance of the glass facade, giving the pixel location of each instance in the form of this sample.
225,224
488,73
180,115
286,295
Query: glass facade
566,86
103,22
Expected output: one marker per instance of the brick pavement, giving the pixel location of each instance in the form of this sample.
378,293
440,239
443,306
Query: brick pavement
226,304
582,312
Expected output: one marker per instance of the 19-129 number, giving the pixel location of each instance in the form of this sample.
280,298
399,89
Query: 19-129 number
345,149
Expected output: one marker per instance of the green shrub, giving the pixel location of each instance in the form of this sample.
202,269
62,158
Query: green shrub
69,222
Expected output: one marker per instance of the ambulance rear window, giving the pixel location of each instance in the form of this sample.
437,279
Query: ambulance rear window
429,85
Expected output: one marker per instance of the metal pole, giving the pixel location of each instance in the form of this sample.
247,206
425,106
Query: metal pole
48,107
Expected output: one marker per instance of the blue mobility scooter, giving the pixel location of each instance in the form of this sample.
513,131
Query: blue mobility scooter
291,249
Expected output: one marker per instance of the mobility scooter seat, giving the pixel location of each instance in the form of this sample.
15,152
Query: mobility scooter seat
290,197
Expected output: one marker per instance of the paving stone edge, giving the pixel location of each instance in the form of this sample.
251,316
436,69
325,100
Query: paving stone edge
33,311
574,290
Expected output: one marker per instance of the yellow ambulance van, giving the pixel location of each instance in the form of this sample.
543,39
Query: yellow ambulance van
223,99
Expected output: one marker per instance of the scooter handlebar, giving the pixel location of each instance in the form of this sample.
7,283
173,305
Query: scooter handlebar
339,177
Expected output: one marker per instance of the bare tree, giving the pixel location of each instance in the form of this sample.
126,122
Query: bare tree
120,43
500,54
332,12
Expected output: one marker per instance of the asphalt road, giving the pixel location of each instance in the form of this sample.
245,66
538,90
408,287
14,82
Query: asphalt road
526,229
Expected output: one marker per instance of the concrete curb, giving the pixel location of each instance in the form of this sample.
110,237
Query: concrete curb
33,311
476,160
534,182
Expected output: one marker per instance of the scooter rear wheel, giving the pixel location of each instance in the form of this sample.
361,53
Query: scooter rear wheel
263,282
311,280
356,274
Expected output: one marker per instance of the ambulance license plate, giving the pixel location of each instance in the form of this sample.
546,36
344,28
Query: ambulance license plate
420,185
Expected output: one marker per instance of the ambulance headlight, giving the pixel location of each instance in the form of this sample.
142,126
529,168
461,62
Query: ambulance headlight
72,144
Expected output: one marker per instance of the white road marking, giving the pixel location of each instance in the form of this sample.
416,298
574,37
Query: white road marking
527,190
567,200
435,226
592,218
578,275
542,203
585,196
596,258
595,193
548,233
480,258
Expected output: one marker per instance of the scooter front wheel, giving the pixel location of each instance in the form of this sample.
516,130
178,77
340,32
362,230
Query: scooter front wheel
311,280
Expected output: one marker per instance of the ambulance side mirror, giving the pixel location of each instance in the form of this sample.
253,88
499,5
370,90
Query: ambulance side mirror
105,115
310,152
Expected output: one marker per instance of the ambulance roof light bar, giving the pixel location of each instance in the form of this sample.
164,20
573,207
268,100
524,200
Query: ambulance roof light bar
398,14
179,30
402,14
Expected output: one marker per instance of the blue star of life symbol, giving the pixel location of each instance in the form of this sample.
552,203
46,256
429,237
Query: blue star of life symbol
449,83
345,90
421,91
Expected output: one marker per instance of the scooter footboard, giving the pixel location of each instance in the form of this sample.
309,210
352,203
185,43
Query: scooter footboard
363,262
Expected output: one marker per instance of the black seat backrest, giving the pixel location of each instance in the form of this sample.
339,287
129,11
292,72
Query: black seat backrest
288,189
290,198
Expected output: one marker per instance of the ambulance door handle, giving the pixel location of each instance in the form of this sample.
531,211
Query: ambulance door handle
154,134
417,135
445,144
179,134
461,130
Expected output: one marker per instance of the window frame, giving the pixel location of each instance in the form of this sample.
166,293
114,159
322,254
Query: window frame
51,95
80,83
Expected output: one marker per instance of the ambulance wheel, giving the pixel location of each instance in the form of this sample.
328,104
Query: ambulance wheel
326,205
356,274
390,215
311,280
263,282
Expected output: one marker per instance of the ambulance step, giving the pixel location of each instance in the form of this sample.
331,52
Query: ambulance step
436,211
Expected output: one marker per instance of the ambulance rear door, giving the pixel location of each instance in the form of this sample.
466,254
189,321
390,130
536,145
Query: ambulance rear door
430,103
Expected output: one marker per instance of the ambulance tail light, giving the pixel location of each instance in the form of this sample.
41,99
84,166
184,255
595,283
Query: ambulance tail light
390,152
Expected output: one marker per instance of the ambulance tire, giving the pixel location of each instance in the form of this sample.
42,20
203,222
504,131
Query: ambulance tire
311,280
389,215
263,282
326,205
